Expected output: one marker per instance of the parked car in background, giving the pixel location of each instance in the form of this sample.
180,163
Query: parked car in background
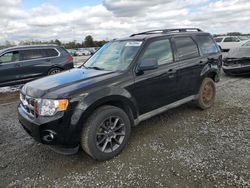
124,83
226,43
72,52
91,50
21,64
237,61
81,52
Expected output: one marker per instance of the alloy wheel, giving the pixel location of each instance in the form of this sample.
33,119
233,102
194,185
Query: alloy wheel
110,134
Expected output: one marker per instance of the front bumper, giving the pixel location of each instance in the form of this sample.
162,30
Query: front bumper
237,69
49,130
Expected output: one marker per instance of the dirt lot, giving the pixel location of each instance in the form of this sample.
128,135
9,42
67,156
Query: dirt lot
184,147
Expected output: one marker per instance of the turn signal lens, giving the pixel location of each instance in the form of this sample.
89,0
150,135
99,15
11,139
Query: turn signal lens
62,105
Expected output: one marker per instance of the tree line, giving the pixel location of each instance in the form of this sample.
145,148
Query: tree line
88,42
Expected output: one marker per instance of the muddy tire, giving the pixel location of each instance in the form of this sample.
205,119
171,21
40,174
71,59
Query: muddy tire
206,96
105,133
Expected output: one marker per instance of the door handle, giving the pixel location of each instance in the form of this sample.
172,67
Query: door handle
171,73
203,61
47,60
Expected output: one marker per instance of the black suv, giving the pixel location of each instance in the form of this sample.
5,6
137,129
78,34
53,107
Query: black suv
24,63
125,82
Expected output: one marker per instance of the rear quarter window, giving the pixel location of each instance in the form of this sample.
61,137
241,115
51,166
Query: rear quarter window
51,52
186,48
207,45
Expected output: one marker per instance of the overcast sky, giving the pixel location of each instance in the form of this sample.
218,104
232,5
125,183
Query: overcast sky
73,20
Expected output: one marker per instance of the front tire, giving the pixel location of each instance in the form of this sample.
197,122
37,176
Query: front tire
206,96
105,133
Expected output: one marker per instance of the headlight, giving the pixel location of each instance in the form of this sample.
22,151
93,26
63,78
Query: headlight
48,107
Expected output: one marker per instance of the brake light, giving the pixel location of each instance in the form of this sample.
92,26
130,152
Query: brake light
70,59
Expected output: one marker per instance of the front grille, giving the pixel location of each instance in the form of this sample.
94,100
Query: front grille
28,105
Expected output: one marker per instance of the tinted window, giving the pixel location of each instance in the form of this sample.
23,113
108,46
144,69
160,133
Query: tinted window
246,44
231,39
10,57
228,39
51,52
32,54
186,48
207,45
218,39
160,50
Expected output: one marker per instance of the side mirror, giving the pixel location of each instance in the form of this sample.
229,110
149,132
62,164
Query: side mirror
148,64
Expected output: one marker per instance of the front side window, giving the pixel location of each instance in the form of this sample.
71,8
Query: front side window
186,48
114,56
207,45
160,50
9,57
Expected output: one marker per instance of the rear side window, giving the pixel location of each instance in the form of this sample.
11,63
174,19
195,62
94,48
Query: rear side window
186,48
160,50
231,39
38,54
10,57
32,54
207,45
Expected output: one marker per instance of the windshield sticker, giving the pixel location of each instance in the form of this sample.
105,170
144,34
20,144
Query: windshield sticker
134,43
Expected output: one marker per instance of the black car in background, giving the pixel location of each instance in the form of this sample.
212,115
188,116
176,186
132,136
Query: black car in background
24,63
124,83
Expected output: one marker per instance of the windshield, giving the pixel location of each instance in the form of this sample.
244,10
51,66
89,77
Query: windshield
114,56
243,38
246,44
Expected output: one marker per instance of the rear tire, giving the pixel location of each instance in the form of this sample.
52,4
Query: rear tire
105,133
206,96
54,71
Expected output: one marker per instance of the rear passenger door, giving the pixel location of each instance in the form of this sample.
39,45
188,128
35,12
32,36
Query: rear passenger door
35,62
190,65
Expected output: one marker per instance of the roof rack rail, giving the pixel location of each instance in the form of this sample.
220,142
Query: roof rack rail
167,31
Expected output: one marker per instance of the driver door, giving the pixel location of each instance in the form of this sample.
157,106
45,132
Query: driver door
156,88
9,67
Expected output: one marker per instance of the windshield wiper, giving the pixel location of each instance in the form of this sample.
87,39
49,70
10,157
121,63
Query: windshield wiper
96,68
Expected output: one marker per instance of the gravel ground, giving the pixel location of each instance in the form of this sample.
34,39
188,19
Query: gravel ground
184,147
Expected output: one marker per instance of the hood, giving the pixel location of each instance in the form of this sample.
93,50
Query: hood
64,83
238,53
